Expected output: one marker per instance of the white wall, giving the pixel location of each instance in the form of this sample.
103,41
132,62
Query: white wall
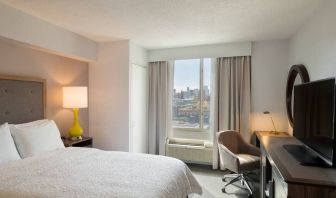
138,55
314,45
109,96
138,110
110,80
269,78
30,30
201,51
138,137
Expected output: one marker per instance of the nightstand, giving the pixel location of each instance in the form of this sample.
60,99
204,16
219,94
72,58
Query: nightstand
85,142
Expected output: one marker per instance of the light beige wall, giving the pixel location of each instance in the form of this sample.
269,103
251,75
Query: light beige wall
19,60
28,29
314,45
201,51
109,96
269,77
138,89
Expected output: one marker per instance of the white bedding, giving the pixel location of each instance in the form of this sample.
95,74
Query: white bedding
86,172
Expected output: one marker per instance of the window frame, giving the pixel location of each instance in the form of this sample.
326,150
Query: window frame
200,129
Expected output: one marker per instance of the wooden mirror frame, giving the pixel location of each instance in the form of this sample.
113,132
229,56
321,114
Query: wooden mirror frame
293,72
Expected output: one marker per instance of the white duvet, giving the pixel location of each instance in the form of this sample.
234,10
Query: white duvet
86,172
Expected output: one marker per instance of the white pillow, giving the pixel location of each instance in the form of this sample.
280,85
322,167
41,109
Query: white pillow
28,124
8,150
35,139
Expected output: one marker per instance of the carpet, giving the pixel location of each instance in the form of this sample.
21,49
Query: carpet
212,184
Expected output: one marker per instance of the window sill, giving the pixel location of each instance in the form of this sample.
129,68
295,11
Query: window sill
190,130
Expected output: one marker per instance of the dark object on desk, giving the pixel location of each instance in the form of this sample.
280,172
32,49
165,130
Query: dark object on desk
305,156
84,142
314,117
269,113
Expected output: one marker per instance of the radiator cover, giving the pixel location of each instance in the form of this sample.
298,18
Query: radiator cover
191,151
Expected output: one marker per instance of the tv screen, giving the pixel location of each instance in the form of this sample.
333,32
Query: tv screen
314,111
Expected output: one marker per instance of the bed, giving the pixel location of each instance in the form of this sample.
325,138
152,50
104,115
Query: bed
82,172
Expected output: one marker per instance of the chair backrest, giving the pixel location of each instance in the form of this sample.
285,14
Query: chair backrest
230,139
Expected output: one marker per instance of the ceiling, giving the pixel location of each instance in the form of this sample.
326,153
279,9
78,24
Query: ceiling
174,23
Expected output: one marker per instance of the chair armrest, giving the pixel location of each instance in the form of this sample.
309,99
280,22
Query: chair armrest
249,149
229,160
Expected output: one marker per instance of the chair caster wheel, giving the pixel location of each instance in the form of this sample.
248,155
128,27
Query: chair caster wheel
224,179
250,196
223,190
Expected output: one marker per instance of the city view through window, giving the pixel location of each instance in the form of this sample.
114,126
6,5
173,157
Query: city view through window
191,99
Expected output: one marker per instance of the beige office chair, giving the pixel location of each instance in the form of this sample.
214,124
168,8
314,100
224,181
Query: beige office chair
238,156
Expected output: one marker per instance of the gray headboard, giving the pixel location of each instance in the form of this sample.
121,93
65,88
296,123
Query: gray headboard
22,99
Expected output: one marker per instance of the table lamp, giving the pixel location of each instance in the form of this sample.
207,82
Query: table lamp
269,113
75,98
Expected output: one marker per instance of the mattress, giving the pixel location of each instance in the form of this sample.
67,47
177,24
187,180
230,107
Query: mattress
87,172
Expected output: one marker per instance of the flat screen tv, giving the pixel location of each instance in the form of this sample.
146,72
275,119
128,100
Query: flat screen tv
314,117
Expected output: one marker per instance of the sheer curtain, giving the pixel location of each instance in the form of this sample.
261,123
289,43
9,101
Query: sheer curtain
232,98
160,75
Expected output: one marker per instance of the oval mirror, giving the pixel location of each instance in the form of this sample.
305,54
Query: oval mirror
294,79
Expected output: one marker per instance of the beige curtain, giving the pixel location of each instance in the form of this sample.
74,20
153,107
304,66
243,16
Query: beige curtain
232,78
159,103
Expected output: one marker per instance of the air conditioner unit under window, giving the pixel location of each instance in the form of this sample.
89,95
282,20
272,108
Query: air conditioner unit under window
190,150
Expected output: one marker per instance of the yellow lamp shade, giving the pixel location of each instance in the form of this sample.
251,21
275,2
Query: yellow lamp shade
75,97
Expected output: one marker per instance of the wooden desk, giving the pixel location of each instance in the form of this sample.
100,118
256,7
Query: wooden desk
285,177
260,134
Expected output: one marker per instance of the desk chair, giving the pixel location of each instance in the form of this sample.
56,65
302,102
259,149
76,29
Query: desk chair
237,156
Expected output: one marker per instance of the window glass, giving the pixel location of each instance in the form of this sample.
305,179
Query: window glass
192,94
186,106
206,92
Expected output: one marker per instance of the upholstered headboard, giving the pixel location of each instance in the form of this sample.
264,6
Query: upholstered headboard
22,99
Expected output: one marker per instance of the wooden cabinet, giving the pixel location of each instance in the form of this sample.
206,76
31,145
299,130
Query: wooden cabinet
282,176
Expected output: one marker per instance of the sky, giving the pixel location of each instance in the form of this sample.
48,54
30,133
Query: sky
186,73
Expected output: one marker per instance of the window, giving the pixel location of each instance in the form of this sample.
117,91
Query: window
192,92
